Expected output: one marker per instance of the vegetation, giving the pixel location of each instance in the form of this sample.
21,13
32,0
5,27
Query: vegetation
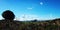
46,25
38,25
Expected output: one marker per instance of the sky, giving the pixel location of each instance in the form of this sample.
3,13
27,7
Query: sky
26,10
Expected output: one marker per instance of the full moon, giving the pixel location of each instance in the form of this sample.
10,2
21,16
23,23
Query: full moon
41,3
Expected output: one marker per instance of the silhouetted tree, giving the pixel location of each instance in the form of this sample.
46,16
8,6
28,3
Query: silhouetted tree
8,23
8,15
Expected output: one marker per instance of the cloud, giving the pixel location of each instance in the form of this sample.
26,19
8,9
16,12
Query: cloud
28,17
1,17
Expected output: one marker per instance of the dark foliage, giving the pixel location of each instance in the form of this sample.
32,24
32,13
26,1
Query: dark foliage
8,15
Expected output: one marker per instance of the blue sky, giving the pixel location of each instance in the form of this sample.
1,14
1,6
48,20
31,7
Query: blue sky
32,9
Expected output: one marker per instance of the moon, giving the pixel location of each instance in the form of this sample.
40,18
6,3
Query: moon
41,3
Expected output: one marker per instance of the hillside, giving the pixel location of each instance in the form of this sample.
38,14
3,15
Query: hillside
45,25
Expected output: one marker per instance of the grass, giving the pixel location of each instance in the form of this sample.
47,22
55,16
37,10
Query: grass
29,25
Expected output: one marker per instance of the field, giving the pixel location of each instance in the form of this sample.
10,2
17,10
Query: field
41,25
37,25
